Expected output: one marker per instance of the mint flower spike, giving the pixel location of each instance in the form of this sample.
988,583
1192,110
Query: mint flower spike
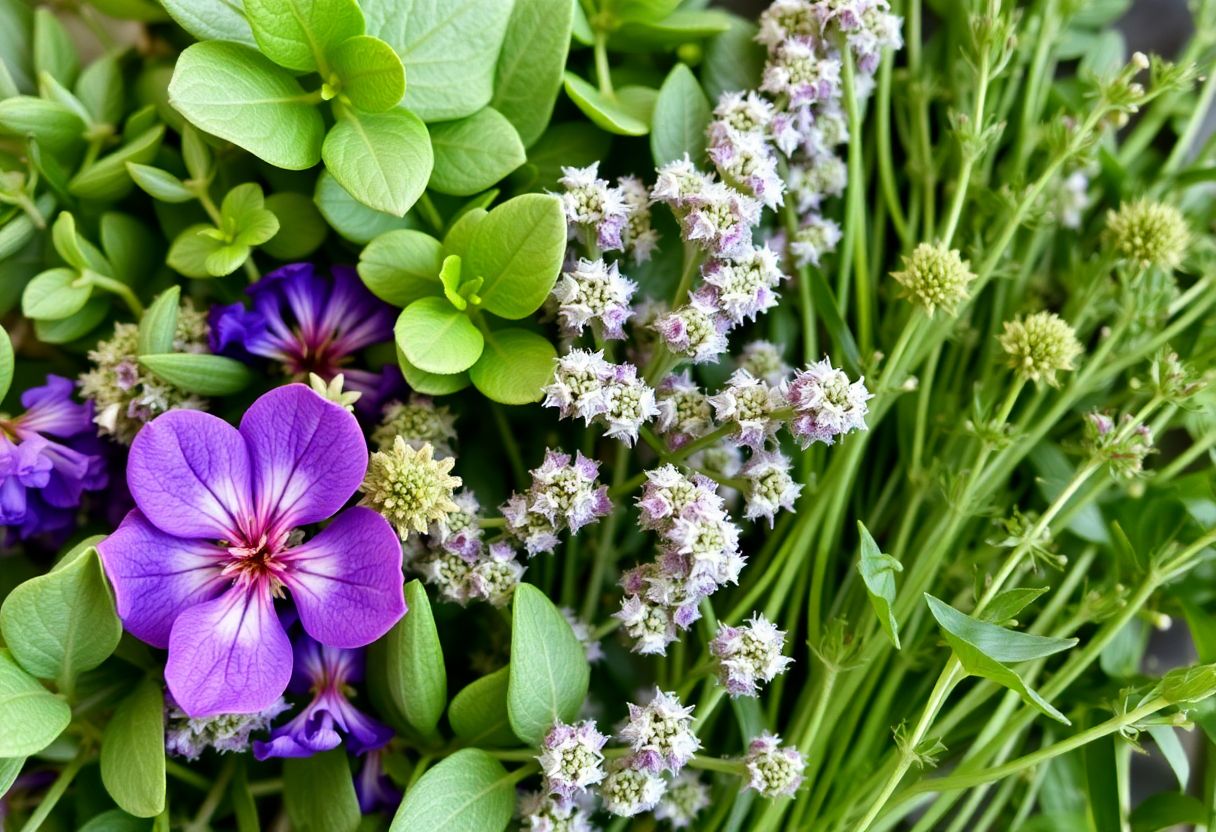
597,212
660,734
1040,345
749,655
770,487
749,404
593,293
773,770
188,738
216,538
826,404
685,798
571,758
935,276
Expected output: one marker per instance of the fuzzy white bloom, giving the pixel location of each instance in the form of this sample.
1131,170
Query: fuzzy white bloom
571,758
770,488
651,626
748,403
594,207
496,575
540,812
639,236
802,74
721,220
660,734
810,183
419,422
684,410
594,292
668,494
773,770
631,404
746,161
826,404
763,360
679,183
567,492
696,330
745,286
628,791
816,237
459,530
578,386
749,655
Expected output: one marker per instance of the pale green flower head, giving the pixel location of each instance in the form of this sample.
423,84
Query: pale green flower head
1149,233
409,487
935,276
1039,346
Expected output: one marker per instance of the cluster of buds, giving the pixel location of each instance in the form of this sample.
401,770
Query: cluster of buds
660,734
1123,445
565,494
607,218
773,770
587,386
749,655
419,422
935,276
593,294
699,552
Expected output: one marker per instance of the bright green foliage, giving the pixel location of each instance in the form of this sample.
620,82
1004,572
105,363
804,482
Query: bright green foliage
384,159
478,713
549,672
469,791
133,751
681,114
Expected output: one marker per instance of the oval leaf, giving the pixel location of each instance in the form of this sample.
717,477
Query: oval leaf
548,671
133,752
431,384
402,266
319,793
350,217
627,113
473,153
470,791
437,338
514,366
206,375
6,363
54,295
530,65
681,115
371,73
159,323
296,34
478,714
518,250
415,675
31,717
382,159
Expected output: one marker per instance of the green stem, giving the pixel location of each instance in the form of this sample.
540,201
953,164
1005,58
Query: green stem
510,446
969,156
56,791
603,75
219,789
1198,113
704,763
119,288
855,217
605,550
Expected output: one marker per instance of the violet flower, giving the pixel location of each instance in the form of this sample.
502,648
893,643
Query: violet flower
328,673
197,566
373,787
49,456
310,322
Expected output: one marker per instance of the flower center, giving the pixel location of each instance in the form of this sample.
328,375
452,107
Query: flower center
256,563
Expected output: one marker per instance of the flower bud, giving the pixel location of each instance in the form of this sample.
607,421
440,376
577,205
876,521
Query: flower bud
1149,233
1039,346
934,276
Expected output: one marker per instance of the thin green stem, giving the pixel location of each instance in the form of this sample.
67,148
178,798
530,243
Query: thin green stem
219,789
855,217
603,74
55,793
119,288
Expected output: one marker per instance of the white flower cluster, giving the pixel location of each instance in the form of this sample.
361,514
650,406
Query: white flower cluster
595,390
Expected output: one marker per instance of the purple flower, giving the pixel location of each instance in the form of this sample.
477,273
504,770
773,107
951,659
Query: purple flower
328,673
197,566
310,322
49,456
373,787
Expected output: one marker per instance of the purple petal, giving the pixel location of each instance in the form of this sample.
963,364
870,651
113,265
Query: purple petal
346,582
157,576
308,456
229,655
189,474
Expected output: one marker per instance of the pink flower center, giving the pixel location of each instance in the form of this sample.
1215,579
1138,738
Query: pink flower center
257,563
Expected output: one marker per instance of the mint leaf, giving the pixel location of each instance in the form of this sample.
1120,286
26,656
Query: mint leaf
7,363
211,19
233,92
350,217
518,249
191,249
449,48
319,794
50,123
133,752
681,115
469,791
530,64
107,178
733,59
627,113
382,159
54,295
400,267
206,375
159,184
372,76
549,671
297,34
246,220
514,366
159,324
31,715
301,227
878,573
473,153
431,384
437,338
478,713
416,677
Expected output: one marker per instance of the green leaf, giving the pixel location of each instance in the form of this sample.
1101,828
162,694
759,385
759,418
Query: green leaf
100,89
983,648
469,791
10,767
627,113
233,92
302,229
449,48
211,19
733,59
415,676
518,249
530,64
449,279
297,34
68,329
133,752
52,90
549,671
7,363
1186,685
431,384
878,572
31,717
107,178
54,295
371,73
349,217
474,153
130,247
574,143
116,820
49,122
1102,784
460,234
158,326
20,230
243,804
681,115
78,253
382,159
245,217
206,375
60,624
1168,810
159,184
514,366
1171,748
402,266
54,52
1007,604
437,338
319,793
673,31
145,11
191,250
195,153
16,50
478,714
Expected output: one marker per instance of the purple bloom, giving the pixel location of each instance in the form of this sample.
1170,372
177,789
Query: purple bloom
310,322
197,566
373,787
328,673
49,456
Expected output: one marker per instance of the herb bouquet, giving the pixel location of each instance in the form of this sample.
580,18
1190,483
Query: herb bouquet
612,414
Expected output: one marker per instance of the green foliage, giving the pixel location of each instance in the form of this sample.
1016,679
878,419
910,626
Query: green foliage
681,115
469,791
478,713
548,671
370,72
413,662
627,112
319,793
133,752
878,572
298,34
530,64
473,153
31,716
517,250
383,159
514,365
206,375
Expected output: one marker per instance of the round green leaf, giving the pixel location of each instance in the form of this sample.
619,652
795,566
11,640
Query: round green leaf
437,338
371,73
627,113
63,623
31,717
518,249
473,153
478,714
431,384
549,671
302,229
514,366
415,677
191,250
319,793
349,217
54,295
233,92
211,19
107,178
469,791
67,330
460,234
297,33
382,159
402,266
133,752
681,115
206,375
